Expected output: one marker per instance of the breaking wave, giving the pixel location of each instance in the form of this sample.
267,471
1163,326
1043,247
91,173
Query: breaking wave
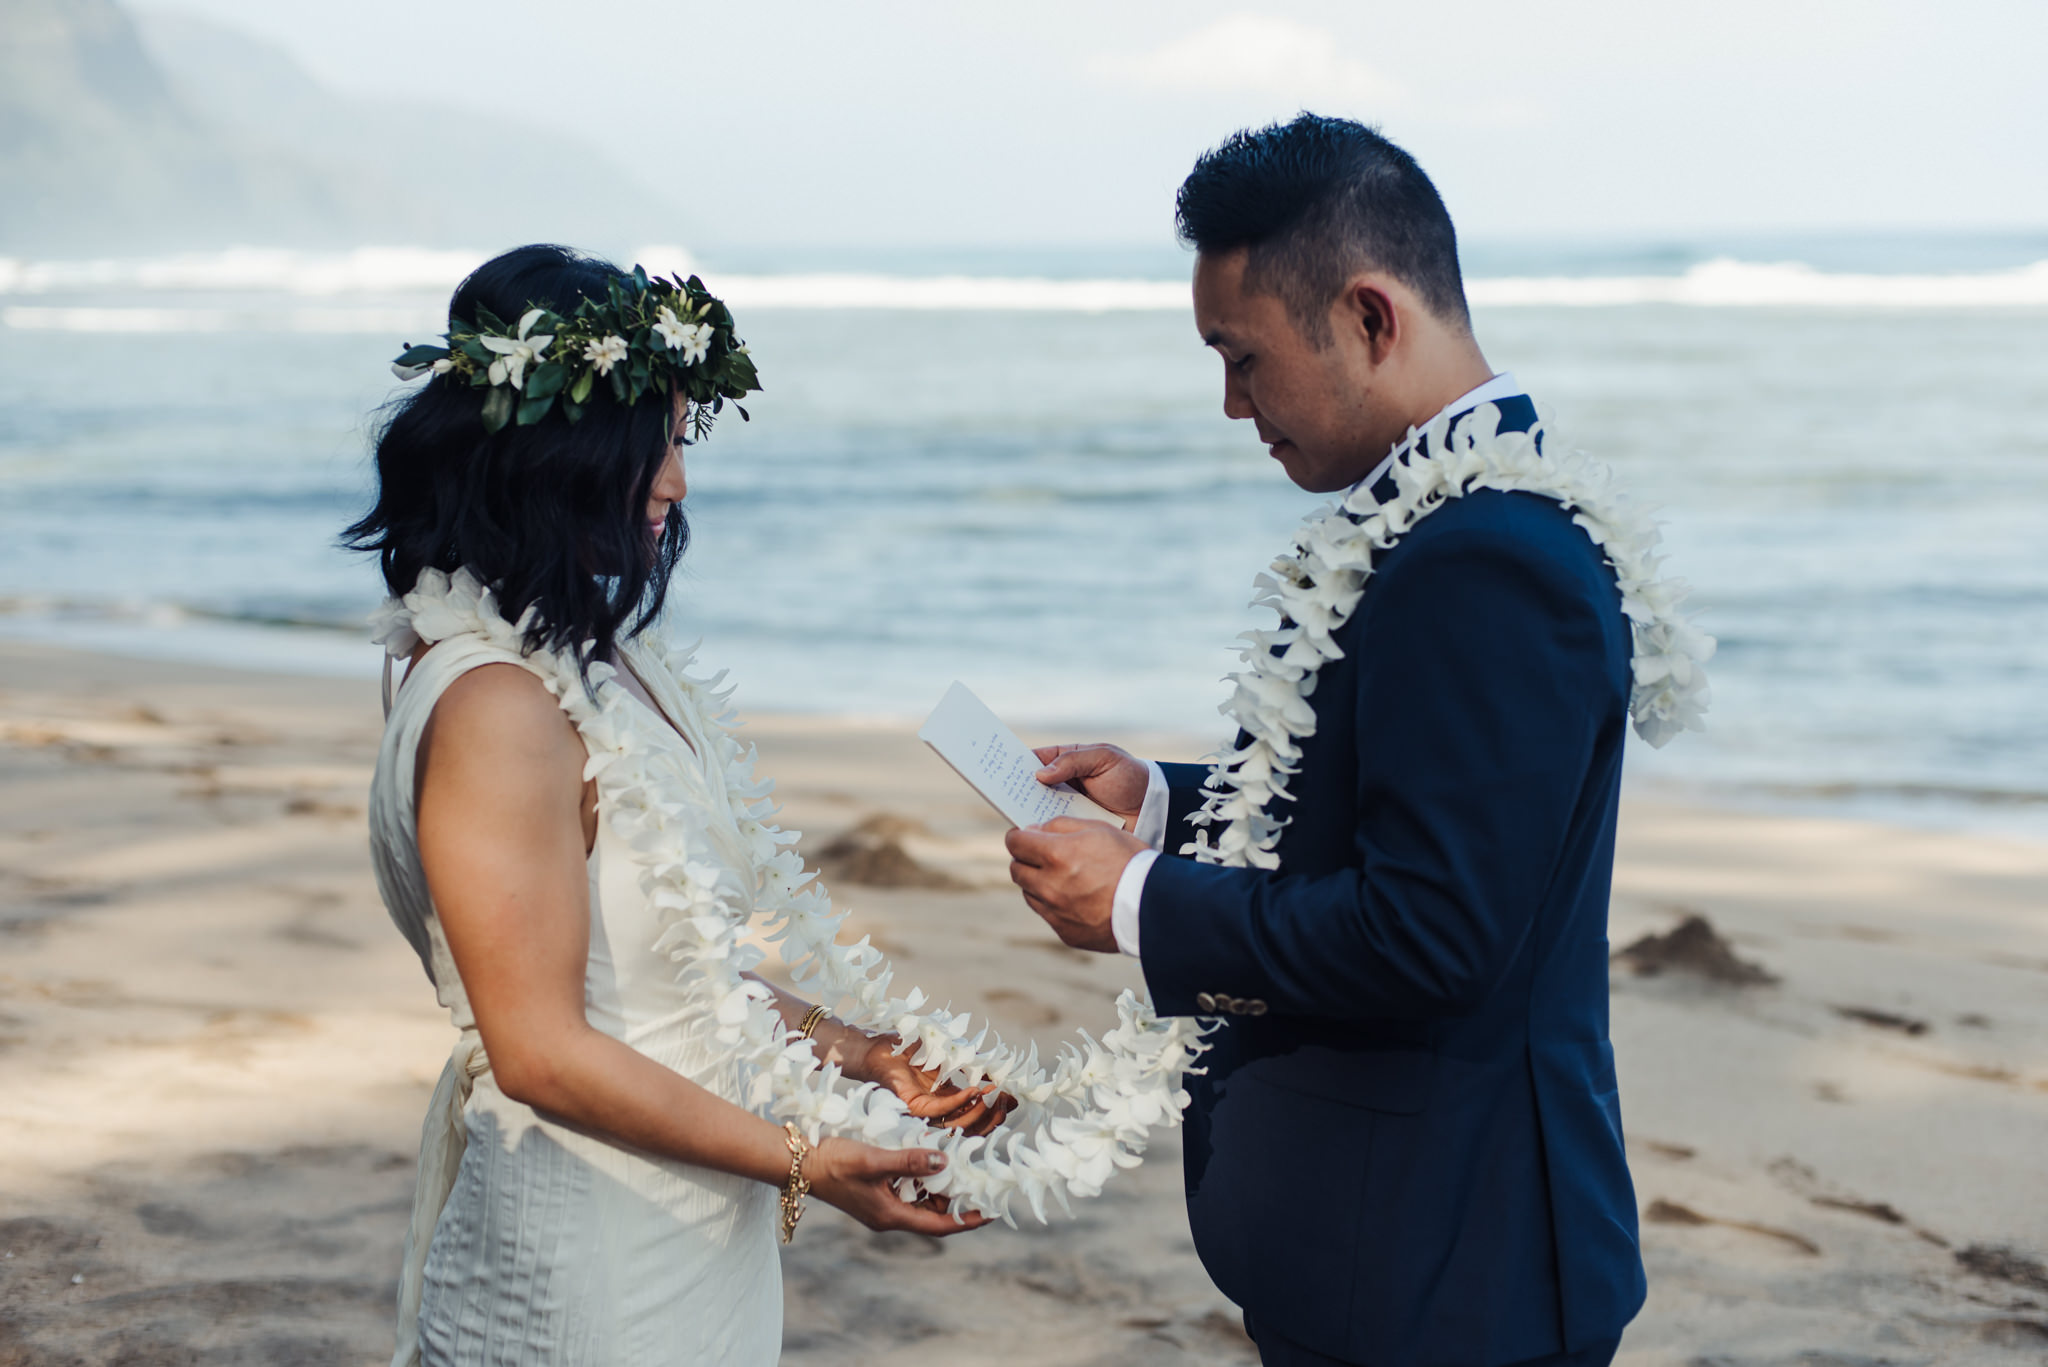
1727,283
396,289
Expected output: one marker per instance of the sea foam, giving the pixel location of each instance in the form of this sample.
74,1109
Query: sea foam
253,270
1728,283
385,289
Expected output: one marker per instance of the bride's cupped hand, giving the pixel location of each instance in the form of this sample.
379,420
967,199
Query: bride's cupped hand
970,1110
861,1180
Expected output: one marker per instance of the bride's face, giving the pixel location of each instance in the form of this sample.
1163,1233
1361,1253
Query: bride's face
670,484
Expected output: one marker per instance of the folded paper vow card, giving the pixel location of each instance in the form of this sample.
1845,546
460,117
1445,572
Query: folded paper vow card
995,763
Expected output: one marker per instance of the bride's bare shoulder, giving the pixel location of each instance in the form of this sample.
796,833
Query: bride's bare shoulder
501,713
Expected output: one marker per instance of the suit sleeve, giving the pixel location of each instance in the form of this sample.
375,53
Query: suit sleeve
1488,677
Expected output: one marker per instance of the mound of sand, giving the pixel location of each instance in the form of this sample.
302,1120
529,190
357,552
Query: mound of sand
1693,946
872,855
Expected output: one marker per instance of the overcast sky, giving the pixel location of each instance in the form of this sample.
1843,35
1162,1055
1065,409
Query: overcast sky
887,122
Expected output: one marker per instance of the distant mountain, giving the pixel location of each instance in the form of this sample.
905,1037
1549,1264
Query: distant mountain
159,132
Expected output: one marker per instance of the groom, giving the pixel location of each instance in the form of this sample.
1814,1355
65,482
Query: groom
1406,1150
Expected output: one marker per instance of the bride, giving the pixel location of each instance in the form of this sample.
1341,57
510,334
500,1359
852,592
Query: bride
596,1183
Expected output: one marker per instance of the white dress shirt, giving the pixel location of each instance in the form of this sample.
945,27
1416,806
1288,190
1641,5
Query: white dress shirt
1151,823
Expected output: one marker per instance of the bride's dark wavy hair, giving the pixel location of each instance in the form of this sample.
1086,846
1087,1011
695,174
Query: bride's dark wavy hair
551,516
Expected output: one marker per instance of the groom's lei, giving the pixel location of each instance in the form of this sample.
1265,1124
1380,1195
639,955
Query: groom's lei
646,336
1317,586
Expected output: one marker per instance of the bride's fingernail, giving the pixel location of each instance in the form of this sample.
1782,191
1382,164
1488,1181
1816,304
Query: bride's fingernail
936,1161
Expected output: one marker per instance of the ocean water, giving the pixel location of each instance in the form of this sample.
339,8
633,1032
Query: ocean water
1013,469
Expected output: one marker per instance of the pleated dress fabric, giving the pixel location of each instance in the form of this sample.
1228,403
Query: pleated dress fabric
537,1244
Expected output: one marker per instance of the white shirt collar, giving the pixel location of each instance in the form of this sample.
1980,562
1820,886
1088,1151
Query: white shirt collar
1501,386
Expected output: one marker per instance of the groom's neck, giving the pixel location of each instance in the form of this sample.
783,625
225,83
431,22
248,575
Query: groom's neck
1446,366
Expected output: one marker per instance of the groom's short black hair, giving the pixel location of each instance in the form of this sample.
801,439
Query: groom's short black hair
1317,200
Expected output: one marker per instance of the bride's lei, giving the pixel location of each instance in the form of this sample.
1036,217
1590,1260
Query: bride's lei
1076,1122
1317,586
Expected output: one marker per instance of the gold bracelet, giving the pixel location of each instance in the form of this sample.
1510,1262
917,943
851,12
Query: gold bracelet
796,1188
813,1018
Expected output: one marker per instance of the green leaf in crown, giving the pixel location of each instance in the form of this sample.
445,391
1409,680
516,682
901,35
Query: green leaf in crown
664,337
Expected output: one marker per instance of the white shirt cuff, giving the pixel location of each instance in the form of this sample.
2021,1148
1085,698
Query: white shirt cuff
1151,823
1130,893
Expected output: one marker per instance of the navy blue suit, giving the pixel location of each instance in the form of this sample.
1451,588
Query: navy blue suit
1414,1158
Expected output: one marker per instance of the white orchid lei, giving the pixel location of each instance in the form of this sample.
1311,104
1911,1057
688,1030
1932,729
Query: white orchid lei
1317,586
1076,1122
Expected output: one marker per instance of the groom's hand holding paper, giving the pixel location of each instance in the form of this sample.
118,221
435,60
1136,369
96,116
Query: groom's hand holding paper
1068,871
1110,776
1066,866
985,752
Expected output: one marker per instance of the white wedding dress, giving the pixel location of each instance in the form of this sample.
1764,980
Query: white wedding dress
537,1244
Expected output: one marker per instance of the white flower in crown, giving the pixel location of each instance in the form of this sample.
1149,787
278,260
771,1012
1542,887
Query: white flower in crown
605,354
671,328
515,354
413,372
692,339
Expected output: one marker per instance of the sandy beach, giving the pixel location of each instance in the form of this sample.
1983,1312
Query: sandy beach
215,1052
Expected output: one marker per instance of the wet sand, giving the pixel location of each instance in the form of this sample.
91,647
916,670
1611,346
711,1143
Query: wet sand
215,1052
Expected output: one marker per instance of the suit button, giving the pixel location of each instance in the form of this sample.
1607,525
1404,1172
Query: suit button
1255,1007
1204,1002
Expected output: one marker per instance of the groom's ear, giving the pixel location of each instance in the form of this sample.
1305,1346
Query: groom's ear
1367,314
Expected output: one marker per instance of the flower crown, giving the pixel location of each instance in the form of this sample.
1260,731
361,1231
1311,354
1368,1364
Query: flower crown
645,336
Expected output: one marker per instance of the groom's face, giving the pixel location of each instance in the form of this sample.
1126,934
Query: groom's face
1313,406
